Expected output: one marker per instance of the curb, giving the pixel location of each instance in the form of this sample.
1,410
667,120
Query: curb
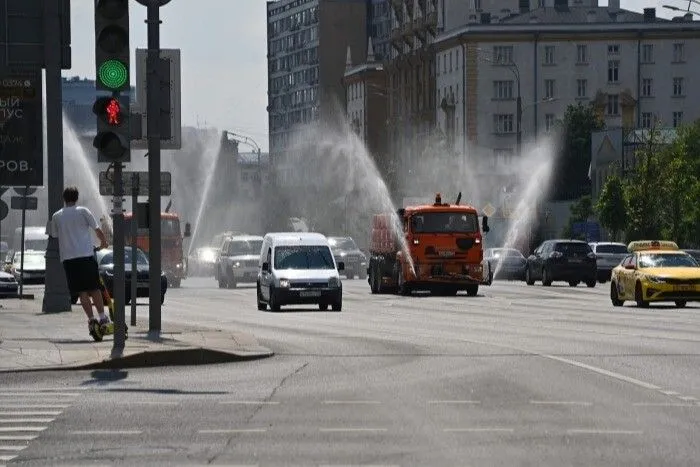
157,358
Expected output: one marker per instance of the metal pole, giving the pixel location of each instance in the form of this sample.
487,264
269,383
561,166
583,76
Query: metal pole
21,254
519,119
133,232
118,253
152,122
56,296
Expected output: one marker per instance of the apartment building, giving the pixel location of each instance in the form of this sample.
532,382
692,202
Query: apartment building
634,68
379,28
307,41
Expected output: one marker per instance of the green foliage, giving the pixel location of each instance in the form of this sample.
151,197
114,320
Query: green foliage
580,211
571,169
612,206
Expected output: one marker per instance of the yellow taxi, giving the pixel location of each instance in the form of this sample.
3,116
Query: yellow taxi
655,271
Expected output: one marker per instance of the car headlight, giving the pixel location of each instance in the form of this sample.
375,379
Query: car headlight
284,283
656,279
178,265
333,282
237,264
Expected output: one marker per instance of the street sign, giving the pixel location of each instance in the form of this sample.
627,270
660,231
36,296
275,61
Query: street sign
30,203
21,151
107,184
25,191
4,210
23,34
489,210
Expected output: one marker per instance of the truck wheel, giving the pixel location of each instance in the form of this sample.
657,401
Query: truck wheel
472,290
373,278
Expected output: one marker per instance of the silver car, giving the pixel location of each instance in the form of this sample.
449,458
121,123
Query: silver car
238,260
608,255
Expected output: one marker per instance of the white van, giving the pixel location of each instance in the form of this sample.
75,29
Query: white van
297,268
35,238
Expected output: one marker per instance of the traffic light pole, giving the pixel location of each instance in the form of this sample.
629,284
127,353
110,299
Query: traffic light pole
118,253
152,125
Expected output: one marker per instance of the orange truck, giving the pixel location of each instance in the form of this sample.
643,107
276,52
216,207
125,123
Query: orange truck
436,247
172,257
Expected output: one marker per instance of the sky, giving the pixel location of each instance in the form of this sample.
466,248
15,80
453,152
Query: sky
223,53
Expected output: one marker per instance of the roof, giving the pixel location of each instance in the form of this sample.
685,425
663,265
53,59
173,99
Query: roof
297,238
570,15
441,208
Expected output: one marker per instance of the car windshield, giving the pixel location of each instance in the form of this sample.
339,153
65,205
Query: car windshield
31,259
444,222
573,248
614,249
667,260
303,257
342,243
244,247
140,257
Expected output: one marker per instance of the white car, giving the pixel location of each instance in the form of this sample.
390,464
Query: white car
8,284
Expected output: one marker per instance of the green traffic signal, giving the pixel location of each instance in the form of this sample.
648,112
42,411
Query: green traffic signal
113,74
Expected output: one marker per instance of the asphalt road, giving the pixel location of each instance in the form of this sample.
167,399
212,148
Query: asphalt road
518,376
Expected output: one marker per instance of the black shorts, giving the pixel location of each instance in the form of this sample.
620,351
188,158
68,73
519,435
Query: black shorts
82,274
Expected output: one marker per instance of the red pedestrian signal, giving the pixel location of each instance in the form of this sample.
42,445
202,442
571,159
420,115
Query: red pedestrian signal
112,139
113,110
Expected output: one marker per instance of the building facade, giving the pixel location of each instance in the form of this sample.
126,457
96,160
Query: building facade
307,41
379,27
634,68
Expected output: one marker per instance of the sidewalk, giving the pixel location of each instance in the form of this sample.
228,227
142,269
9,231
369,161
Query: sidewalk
31,340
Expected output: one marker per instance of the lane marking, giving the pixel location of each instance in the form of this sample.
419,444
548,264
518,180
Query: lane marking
11,429
171,403
26,420
603,432
33,406
38,394
45,390
107,432
13,448
688,398
561,403
478,430
603,372
663,404
466,402
7,458
351,430
357,465
249,402
18,437
351,402
29,413
231,431
670,393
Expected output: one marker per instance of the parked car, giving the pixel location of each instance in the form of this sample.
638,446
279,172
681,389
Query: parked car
507,263
34,267
608,255
570,261
105,262
345,249
8,284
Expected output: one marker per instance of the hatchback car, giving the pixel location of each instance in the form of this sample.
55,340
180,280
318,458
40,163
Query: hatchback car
570,261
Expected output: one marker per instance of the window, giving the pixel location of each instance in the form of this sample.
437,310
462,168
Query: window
503,123
613,104
549,55
614,49
581,54
677,119
582,88
503,54
613,71
647,89
678,52
677,86
503,89
548,122
648,53
549,88
647,119
444,222
303,257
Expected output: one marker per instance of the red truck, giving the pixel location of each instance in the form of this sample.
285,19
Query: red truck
436,247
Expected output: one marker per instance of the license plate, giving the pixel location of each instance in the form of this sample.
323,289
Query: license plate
683,288
310,293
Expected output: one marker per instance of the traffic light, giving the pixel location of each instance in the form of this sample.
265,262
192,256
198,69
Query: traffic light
112,74
112,139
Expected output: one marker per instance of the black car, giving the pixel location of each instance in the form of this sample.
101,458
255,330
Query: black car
105,261
570,261
346,251
506,263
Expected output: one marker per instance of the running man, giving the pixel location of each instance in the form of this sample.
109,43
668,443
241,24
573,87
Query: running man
74,226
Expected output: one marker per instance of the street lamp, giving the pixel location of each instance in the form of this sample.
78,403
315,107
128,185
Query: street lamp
675,8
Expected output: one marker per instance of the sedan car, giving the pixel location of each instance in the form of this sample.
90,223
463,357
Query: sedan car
105,261
8,285
507,263
344,249
34,271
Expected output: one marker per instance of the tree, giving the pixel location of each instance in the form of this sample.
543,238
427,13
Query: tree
580,211
571,168
612,206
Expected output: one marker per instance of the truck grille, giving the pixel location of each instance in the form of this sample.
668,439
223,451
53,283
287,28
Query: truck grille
308,284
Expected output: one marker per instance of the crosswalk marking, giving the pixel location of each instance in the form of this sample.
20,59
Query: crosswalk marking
12,429
26,420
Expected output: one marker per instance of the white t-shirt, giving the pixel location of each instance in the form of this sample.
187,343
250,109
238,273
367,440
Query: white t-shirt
74,227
